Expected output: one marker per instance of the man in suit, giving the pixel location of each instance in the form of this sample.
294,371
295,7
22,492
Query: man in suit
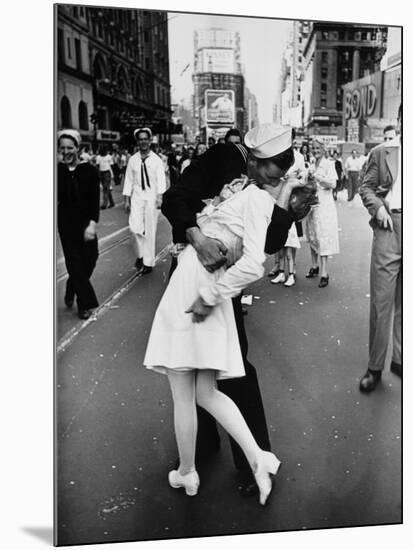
381,195
78,193
202,180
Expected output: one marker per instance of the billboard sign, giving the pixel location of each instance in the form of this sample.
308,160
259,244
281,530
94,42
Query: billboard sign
107,135
215,60
362,98
220,106
330,140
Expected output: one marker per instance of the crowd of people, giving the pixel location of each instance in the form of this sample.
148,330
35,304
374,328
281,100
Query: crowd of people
229,204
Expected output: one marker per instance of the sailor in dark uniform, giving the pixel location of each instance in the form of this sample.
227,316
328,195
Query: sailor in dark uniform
77,215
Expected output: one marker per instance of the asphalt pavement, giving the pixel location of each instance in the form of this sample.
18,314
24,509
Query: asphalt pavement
341,450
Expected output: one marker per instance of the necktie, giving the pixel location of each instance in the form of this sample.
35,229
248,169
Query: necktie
144,174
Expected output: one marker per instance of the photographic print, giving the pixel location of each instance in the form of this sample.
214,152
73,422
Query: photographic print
228,280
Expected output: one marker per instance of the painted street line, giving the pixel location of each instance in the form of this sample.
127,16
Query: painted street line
68,338
101,241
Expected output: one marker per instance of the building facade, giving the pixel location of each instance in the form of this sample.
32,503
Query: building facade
371,103
288,108
113,72
335,54
251,110
217,70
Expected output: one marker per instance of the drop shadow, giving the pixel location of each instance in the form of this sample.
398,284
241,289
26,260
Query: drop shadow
45,534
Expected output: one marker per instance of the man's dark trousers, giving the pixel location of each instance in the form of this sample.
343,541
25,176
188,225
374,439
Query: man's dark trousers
80,258
352,184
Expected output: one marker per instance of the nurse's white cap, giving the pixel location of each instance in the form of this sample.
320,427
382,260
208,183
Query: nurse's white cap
74,134
267,140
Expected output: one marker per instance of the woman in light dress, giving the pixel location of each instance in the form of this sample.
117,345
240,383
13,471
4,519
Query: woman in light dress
321,224
194,337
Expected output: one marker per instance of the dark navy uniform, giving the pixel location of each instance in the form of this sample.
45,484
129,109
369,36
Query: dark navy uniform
77,204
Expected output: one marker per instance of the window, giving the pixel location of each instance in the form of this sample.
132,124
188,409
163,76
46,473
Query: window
82,12
323,102
60,45
147,63
78,54
69,49
122,80
66,113
324,86
357,35
342,35
364,36
75,12
83,117
324,72
324,57
373,36
98,68
146,36
324,35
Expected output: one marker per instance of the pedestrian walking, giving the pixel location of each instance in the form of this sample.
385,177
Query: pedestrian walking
77,216
351,172
211,142
143,188
104,162
338,165
85,155
305,151
233,136
187,161
123,162
238,227
284,259
116,166
321,223
173,165
200,149
381,195
205,179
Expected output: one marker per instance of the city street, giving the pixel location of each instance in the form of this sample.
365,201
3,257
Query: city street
341,450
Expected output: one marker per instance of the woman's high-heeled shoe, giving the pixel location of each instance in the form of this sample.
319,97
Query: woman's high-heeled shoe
267,465
323,281
189,481
312,272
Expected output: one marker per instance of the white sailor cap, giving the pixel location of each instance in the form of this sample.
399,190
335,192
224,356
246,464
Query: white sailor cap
267,140
147,130
73,134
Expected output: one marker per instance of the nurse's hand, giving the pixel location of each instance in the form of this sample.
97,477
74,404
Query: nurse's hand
199,310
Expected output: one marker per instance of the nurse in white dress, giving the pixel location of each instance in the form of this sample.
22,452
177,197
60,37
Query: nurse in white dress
321,222
194,337
143,188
